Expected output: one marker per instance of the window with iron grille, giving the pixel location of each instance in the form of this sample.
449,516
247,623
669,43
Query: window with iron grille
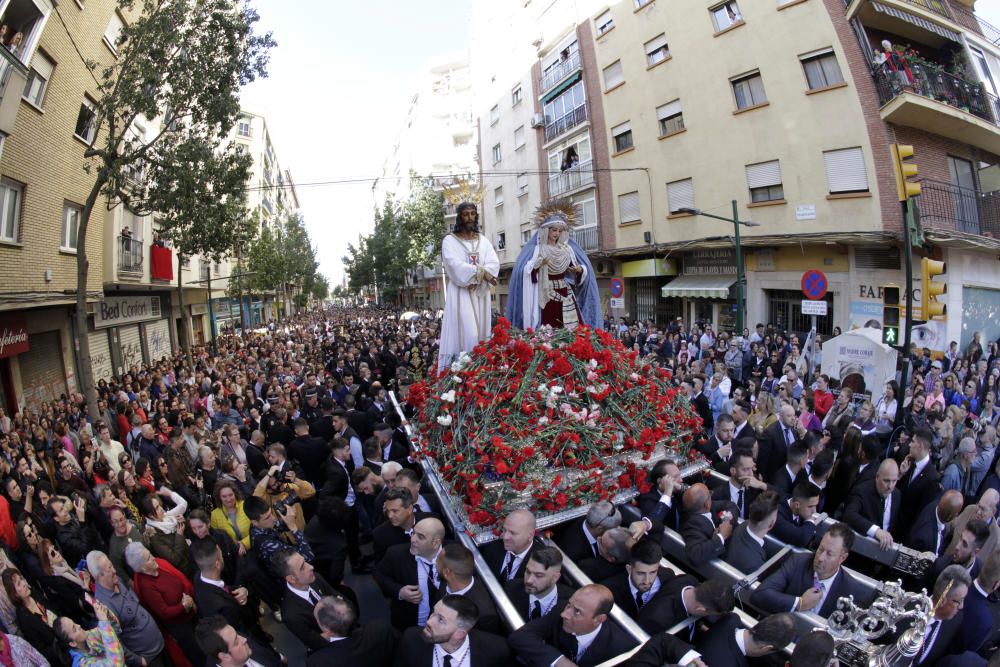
784,308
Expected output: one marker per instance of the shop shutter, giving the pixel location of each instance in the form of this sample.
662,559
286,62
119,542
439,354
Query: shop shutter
158,340
130,345
42,375
100,355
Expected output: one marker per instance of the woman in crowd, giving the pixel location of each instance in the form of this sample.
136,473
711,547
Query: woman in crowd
34,618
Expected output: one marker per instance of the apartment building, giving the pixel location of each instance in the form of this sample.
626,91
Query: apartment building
436,139
789,109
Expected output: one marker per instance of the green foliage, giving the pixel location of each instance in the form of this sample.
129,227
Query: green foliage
282,255
406,237
321,288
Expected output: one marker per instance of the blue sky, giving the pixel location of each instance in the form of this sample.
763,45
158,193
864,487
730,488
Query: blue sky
340,80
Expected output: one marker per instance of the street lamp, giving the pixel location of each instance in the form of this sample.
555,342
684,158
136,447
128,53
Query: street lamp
740,305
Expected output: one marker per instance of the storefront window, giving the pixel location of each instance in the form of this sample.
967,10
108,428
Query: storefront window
703,311
727,316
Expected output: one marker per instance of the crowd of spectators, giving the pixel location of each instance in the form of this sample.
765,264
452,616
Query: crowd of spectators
216,494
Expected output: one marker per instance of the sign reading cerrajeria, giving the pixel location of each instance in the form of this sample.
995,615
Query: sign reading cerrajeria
117,310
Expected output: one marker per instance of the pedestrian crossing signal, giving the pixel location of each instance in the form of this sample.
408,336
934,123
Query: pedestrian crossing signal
890,314
890,335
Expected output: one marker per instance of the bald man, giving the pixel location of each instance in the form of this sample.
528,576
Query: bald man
872,509
580,635
408,575
984,510
930,530
706,525
508,556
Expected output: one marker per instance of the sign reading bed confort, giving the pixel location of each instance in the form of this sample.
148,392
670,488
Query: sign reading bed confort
117,310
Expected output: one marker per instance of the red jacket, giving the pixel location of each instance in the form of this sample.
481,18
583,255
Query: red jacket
161,594
822,401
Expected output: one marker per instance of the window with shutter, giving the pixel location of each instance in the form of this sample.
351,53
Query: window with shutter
845,170
113,33
670,117
628,207
764,181
622,135
522,184
498,196
725,15
38,79
604,23
680,194
519,137
657,50
613,75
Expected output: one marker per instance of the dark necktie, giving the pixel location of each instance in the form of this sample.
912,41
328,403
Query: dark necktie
508,563
536,611
313,596
638,600
447,660
788,436
572,647
932,632
739,503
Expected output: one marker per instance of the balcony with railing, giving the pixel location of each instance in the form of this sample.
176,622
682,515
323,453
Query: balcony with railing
129,256
917,93
586,238
566,122
565,67
975,23
951,208
575,177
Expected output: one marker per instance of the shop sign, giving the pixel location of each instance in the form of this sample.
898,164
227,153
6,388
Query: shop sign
13,335
805,212
115,311
713,261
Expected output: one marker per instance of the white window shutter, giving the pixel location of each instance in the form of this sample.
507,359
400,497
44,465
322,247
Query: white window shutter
669,109
613,75
621,129
845,170
657,42
763,174
680,194
628,207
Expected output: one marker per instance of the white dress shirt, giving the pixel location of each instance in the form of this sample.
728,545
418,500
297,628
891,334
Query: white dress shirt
546,603
424,606
458,656
648,595
512,569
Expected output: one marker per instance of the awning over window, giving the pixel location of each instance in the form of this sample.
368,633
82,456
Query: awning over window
699,287
917,21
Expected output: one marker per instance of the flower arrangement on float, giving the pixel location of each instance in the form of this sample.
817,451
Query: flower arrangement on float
547,420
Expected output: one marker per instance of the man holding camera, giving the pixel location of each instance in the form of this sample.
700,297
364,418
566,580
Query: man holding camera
277,486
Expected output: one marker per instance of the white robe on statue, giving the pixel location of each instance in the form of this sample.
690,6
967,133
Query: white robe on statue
467,308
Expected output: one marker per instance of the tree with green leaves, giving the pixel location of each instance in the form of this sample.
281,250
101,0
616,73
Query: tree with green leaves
424,224
183,61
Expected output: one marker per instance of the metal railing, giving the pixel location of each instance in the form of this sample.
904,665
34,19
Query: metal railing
969,96
586,238
129,254
972,21
566,122
559,72
954,208
571,179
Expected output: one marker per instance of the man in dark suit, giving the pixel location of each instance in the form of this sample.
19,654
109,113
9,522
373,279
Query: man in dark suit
408,478
310,452
742,487
663,649
224,646
728,642
663,501
981,607
747,549
778,437
742,427
372,644
408,577
339,485
873,507
582,633
930,532
322,428
805,582
304,589
400,450
919,480
643,582
401,517
612,555
540,592
686,598
213,597
966,551
391,450
797,517
703,539
720,446
948,596
508,556
354,440
450,639
794,470
578,539
693,387
458,577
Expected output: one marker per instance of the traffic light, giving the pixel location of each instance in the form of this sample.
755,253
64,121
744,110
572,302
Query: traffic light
904,171
930,307
890,314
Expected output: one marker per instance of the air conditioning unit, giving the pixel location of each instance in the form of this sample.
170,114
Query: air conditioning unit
538,120
604,267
